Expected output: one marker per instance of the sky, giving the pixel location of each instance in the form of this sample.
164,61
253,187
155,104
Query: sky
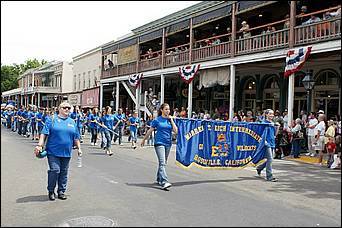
61,30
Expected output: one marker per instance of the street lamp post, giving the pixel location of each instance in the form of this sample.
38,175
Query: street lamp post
309,84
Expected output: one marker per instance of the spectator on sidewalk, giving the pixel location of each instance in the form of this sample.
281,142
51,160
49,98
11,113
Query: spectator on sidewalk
310,126
319,137
297,137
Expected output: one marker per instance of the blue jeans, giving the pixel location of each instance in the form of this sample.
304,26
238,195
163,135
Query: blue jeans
103,139
134,135
108,136
58,173
93,132
295,147
268,164
40,128
162,154
118,130
34,128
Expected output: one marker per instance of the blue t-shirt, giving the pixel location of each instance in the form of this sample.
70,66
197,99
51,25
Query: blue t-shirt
107,120
33,117
9,115
164,131
39,115
270,138
77,118
132,121
19,113
25,114
118,117
61,135
94,125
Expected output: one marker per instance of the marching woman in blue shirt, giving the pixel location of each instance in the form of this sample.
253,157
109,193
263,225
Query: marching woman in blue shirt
107,124
34,123
133,128
40,120
270,146
164,124
93,123
62,134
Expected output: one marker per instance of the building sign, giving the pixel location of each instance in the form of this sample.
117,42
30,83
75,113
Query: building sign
74,99
90,98
220,96
128,54
48,98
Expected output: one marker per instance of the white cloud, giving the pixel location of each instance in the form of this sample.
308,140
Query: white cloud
62,30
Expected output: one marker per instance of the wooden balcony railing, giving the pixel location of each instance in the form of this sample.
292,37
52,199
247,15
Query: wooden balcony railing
263,41
128,68
212,51
110,73
150,64
176,59
323,30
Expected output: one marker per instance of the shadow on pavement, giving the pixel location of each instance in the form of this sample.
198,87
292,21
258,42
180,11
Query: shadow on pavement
184,183
27,199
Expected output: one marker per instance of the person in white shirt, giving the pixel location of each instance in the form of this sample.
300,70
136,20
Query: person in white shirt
319,137
310,126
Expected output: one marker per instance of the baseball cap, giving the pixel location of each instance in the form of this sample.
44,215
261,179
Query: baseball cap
320,112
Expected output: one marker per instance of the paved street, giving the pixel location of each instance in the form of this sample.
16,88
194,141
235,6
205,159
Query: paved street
120,189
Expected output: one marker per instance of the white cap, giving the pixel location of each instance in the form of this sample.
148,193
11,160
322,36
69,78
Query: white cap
321,111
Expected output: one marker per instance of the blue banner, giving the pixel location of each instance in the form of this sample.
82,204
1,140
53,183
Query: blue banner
220,144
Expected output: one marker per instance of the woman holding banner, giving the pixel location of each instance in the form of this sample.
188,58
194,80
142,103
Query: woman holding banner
270,146
164,124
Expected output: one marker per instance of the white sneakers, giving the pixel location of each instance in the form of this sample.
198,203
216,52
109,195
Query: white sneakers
166,185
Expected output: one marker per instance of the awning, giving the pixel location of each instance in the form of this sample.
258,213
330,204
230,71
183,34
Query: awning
90,98
215,76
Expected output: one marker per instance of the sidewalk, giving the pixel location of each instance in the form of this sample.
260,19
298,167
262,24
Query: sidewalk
306,159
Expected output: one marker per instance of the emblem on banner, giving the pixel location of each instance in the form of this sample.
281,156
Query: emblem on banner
221,148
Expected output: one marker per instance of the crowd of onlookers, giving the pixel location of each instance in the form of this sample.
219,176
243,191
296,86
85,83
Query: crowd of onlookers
311,133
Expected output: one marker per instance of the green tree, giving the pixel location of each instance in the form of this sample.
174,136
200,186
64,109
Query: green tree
10,73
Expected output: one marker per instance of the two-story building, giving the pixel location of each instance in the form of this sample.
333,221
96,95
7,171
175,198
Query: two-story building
43,86
86,78
241,47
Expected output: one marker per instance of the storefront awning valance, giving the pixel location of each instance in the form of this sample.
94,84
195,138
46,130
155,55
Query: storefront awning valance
242,5
128,43
178,26
110,49
221,12
151,36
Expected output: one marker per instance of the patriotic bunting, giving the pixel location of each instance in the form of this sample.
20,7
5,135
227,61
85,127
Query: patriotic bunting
295,59
188,73
134,80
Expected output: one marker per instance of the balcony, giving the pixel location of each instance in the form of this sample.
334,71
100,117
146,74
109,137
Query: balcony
322,31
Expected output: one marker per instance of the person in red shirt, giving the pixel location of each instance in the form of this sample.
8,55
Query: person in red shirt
331,148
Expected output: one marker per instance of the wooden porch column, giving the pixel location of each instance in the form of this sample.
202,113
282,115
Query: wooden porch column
232,92
190,88
290,99
163,49
233,30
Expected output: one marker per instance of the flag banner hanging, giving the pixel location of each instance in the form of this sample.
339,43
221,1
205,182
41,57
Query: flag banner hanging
295,59
220,144
188,73
134,79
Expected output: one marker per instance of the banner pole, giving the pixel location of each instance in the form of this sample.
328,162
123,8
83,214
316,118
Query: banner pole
290,100
190,99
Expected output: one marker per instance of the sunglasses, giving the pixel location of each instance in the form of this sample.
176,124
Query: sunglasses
68,108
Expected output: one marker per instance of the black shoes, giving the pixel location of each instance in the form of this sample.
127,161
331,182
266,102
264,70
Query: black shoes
51,196
62,196
258,172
